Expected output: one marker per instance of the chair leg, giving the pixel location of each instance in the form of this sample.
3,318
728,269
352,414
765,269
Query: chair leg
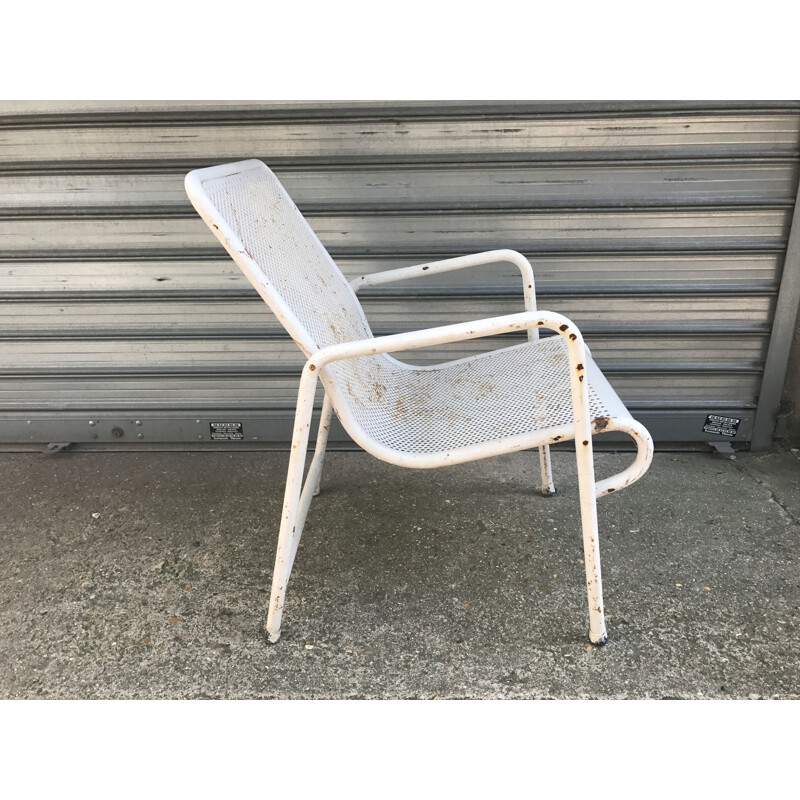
315,470
313,476
548,489
288,538
295,507
591,545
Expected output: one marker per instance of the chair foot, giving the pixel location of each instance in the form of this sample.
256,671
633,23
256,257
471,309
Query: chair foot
548,488
598,641
272,636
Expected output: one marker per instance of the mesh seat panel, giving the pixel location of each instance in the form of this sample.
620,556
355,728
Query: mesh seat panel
510,392
296,264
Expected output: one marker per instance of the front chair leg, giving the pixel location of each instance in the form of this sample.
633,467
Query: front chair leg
548,489
313,476
591,544
294,513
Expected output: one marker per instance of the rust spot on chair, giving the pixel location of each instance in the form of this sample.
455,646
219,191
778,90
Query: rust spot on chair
601,423
573,337
563,327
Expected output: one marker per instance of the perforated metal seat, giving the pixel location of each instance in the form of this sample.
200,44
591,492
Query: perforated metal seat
516,397
529,395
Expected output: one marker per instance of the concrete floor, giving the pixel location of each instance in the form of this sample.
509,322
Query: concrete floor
145,575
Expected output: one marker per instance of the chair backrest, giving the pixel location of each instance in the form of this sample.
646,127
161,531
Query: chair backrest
250,212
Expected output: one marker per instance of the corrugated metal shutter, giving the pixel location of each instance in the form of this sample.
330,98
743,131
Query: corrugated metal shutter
661,230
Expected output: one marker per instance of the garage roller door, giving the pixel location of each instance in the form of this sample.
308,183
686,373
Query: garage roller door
663,230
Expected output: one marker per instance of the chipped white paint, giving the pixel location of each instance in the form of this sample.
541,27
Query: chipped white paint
419,417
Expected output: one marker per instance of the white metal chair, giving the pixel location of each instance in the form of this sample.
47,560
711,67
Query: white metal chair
520,397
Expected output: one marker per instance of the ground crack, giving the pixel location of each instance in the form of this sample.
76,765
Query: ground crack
772,495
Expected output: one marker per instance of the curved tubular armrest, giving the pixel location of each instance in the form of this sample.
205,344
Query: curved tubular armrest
450,264
428,337
644,454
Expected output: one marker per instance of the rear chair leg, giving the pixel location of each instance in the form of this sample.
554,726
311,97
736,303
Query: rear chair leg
591,544
548,489
315,470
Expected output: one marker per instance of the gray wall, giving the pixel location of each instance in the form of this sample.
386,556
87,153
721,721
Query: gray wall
660,228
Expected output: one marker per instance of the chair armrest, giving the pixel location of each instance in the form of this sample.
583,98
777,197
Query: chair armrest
450,264
427,337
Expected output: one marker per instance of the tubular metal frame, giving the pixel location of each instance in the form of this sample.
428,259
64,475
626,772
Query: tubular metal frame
298,493
297,498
